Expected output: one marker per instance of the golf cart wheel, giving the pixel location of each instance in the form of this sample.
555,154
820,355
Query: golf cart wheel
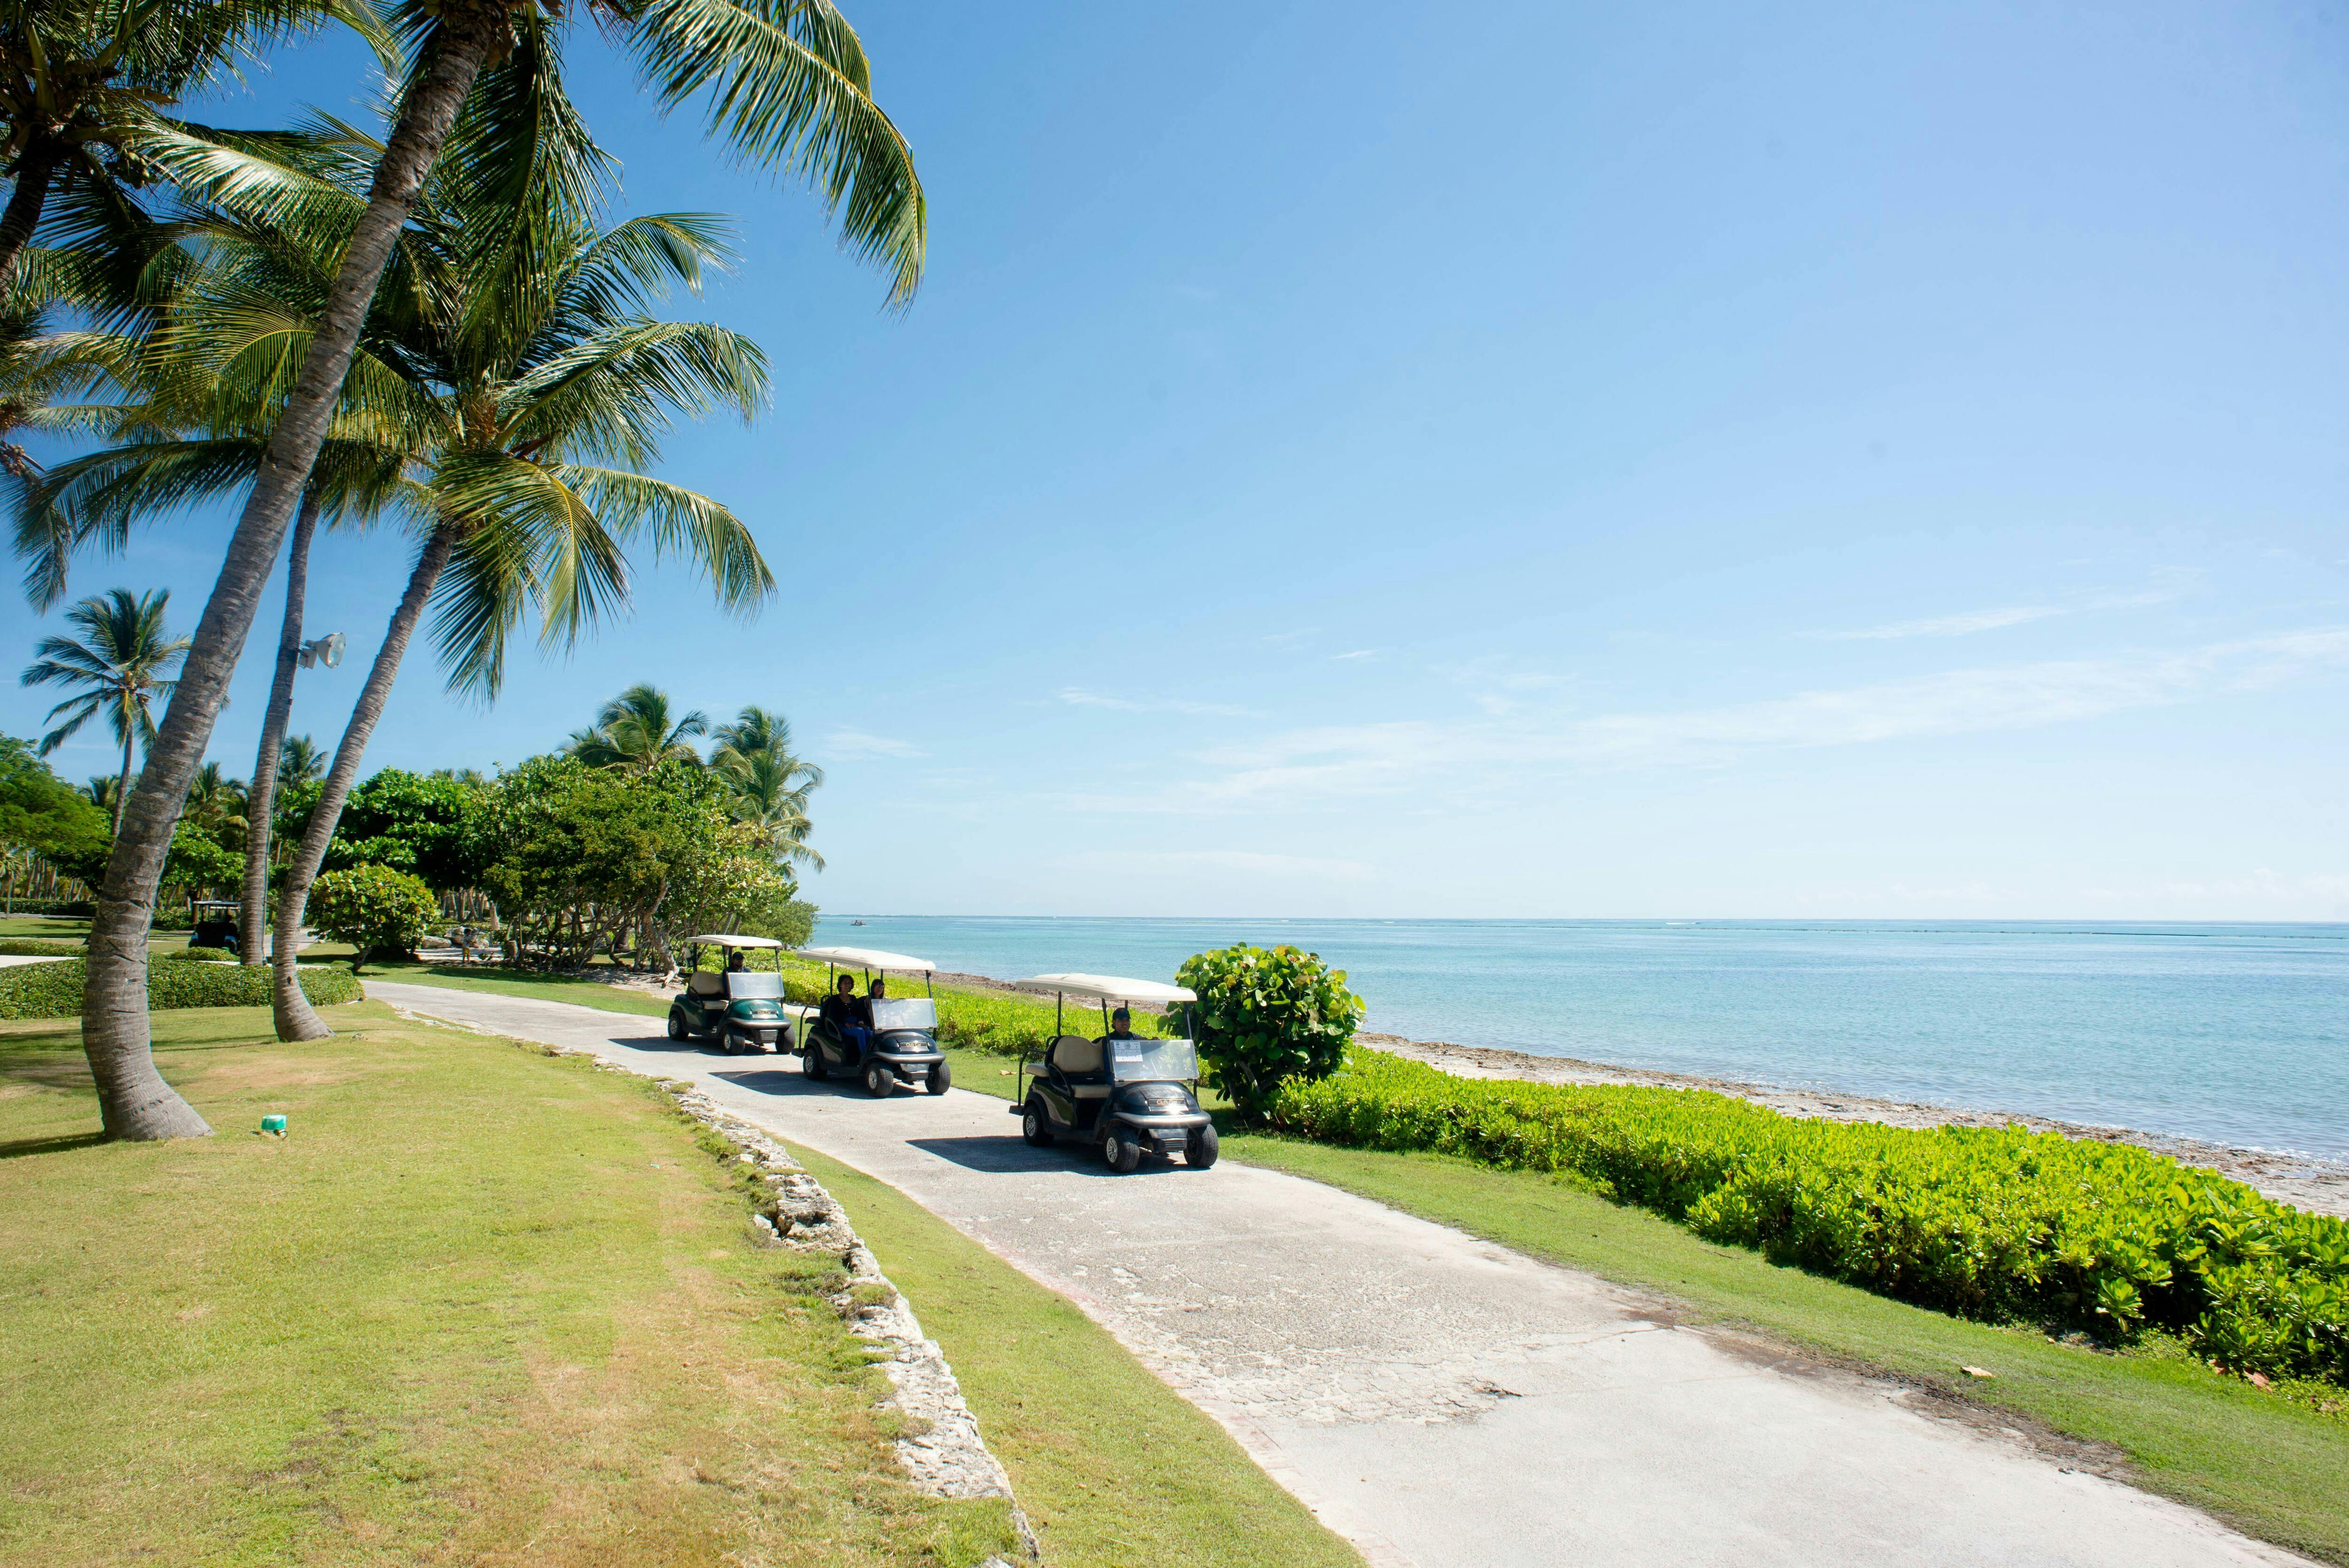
1033,1126
812,1062
676,1026
941,1078
1201,1151
1121,1151
879,1080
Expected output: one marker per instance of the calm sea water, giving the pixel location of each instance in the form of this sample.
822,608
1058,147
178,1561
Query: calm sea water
2237,1034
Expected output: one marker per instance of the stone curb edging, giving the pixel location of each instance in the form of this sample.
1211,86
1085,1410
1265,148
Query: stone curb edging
949,1459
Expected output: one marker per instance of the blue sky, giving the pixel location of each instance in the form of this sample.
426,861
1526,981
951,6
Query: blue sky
1376,459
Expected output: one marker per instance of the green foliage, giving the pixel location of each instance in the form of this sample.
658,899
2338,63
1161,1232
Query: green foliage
412,822
53,990
372,908
42,813
1266,1015
33,947
789,921
1995,1224
199,861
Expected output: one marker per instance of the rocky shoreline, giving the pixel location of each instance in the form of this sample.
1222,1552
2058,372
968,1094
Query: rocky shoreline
2319,1186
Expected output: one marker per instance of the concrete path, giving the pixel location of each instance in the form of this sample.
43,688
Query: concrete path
1437,1400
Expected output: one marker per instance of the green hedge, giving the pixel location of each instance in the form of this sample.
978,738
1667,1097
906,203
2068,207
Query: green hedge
37,947
1997,1224
53,990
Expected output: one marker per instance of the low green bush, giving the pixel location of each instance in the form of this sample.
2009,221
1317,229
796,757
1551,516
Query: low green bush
35,947
1995,1224
1265,1015
372,908
53,990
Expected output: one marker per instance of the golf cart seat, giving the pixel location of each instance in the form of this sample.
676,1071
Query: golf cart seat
706,983
1080,1060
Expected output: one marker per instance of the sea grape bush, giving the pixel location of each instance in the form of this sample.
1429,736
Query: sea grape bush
1996,1223
1264,1016
372,908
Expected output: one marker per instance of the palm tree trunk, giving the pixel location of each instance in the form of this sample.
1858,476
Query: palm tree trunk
261,797
24,211
133,1099
122,782
296,1019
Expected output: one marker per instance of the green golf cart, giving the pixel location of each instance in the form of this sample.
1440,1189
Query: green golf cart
742,1010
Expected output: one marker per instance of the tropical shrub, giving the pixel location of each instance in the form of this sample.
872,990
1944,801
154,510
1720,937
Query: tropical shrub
53,990
1266,1015
1996,1223
412,822
372,908
36,947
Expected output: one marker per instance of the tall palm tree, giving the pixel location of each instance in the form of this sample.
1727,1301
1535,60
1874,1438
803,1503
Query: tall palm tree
82,82
769,785
122,662
635,732
786,85
300,761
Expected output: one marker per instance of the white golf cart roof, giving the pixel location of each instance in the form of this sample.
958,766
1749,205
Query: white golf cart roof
1105,988
724,939
867,958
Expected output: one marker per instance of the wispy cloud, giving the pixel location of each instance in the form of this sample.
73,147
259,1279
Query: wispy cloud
1972,621
1357,653
1077,696
1242,862
1417,757
855,743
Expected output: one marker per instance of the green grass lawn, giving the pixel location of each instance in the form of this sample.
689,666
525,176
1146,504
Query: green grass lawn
482,1305
2274,1468
583,992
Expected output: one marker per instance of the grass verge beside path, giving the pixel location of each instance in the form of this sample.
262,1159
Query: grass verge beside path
482,1304
1112,1466
2274,1470
577,991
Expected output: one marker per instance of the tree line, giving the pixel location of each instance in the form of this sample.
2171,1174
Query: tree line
436,322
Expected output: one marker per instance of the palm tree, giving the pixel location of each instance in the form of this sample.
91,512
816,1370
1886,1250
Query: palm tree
788,86
81,82
770,787
300,760
121,661
635,733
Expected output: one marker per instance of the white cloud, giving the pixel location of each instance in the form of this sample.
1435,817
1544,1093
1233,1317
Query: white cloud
1077,696
854,743
1414,755
1357,653
1245,861
2174,585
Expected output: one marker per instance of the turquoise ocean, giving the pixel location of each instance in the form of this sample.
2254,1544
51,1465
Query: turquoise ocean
2234,1034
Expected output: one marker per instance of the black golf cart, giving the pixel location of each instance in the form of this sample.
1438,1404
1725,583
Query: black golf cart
742,1010
212,922
904,1047
1130,1095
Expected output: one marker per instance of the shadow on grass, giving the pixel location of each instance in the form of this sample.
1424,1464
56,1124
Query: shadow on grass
25,1148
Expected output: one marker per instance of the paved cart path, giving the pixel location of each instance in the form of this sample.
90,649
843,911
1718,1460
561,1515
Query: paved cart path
1437,1400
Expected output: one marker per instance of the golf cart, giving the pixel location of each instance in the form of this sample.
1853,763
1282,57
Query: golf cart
742,1010
1130,1095
212,922
904,1047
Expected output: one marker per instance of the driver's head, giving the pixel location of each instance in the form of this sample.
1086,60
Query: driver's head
847,987
1121,1022
735,960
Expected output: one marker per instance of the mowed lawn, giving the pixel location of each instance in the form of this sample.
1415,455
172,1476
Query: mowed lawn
482,1305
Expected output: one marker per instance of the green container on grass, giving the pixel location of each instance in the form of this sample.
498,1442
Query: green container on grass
273,1124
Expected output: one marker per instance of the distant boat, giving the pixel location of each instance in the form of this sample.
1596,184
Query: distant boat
855,922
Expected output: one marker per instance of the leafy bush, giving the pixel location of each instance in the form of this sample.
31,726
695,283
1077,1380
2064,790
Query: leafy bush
200,955
372,907
1990,1223
35,948
1266,1015
53,990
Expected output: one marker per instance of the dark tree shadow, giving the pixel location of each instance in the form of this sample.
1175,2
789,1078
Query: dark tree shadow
1000,1156
24,1147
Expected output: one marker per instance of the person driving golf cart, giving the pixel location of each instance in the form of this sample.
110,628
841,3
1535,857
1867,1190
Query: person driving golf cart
876,1038
741,1007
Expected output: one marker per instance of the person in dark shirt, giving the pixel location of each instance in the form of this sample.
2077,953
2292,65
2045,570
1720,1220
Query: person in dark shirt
847,1013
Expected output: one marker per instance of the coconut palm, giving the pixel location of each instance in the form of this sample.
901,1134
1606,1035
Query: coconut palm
123,661
300,761
82,82
786,83
635,732
769,787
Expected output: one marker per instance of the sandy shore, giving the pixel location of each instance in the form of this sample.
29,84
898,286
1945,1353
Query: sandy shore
2316,1185
2310,1184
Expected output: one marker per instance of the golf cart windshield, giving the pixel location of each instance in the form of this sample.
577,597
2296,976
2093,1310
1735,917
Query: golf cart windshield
909,1012
745,984
1138,1060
